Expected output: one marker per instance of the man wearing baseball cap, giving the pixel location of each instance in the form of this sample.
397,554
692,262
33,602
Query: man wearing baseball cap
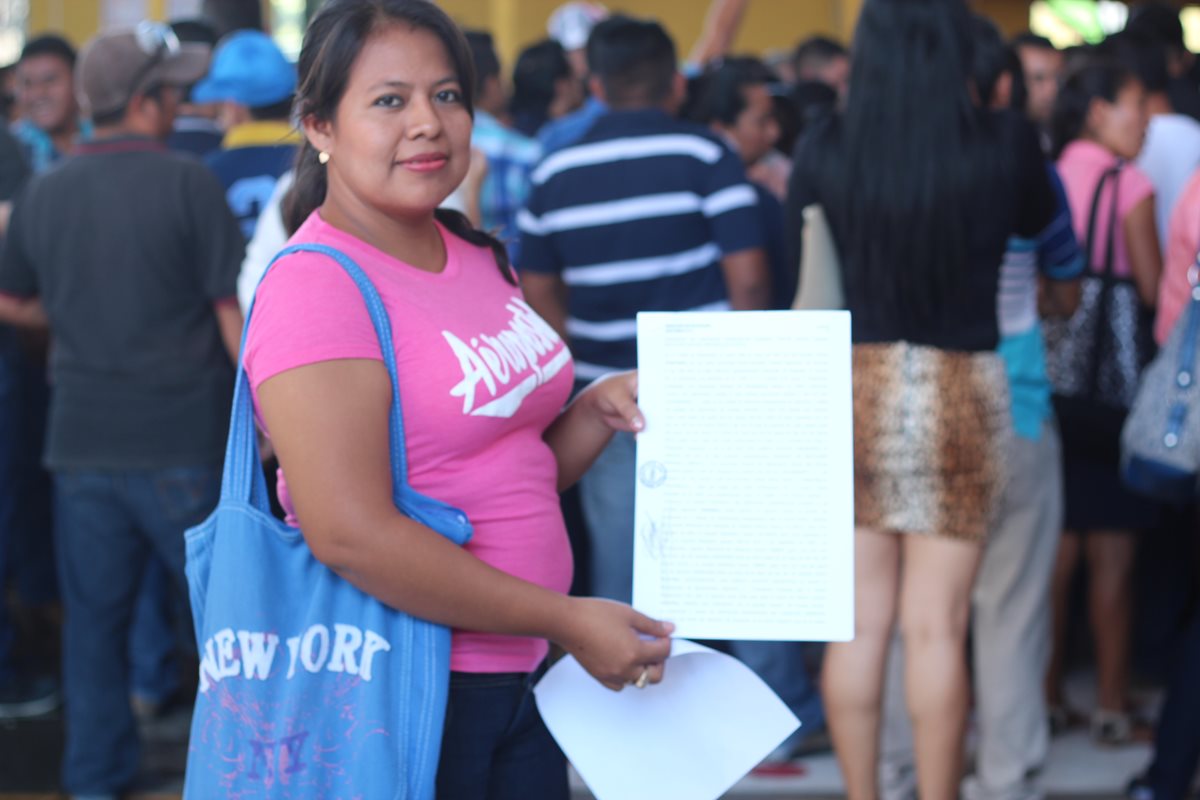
128,254
255,83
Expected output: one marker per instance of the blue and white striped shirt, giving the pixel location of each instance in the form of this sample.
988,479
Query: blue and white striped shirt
636,217
510,157
1056,256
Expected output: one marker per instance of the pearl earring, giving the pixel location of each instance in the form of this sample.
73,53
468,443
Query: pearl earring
323,157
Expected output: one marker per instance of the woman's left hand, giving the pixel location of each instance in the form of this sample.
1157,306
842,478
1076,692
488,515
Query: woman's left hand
587,425
613,402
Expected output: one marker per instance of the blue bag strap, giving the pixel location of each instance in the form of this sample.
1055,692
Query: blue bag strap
243,476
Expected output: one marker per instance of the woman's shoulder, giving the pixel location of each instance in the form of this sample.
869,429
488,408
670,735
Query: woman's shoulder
306,274
1136,182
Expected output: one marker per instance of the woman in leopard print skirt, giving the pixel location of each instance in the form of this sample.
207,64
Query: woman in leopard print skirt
921,190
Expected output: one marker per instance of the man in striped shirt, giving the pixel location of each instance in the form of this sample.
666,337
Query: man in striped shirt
645,213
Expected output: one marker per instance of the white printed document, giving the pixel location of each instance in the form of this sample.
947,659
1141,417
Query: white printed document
691,737
744,523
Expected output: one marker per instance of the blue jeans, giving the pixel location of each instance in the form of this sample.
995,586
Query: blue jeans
25,530
153,655
606,495
781,665
495,745
109,523
10,425
1177,740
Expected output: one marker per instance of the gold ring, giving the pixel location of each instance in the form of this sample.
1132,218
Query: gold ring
643,679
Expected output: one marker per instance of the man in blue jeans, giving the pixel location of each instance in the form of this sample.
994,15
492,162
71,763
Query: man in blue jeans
139,293
643,213
22,691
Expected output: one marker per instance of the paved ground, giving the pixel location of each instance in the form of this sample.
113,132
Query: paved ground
29,756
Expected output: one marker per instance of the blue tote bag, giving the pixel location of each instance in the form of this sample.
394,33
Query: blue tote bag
309,688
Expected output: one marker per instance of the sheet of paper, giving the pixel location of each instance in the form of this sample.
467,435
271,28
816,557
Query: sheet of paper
744,506
691,737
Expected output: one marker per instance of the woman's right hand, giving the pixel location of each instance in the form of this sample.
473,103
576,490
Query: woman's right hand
609,640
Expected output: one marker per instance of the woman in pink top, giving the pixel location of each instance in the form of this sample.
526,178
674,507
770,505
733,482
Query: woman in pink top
385,104
1099,124
1183,243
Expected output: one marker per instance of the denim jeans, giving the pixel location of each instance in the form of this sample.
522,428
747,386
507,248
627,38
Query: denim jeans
153,640
26,542
606,494
10,424
495,745
109,523
1177,740
781,665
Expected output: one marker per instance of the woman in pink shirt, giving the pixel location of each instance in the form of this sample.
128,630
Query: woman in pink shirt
385,104
1099,125
1183,243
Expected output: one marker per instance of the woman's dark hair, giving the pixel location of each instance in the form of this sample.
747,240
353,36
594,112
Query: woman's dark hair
898,168
335,37
989,60
809,103
539,67
1019,96
1160,22
1092,77
717,94
1145,57
993,58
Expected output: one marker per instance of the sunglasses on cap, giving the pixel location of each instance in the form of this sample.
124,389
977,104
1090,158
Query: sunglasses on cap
156,40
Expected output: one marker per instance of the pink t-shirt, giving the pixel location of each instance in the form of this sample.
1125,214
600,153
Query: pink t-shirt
1081,165
481,378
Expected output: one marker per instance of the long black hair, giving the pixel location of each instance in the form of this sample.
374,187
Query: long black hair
1095,76
335,37
897,169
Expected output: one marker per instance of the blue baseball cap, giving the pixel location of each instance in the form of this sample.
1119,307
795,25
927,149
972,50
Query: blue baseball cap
247,68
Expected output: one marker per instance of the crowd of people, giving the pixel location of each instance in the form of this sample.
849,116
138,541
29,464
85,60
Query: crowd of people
996,207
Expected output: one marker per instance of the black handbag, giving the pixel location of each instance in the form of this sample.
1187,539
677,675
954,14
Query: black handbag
1095,359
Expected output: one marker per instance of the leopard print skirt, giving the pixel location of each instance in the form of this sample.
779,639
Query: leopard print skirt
932,429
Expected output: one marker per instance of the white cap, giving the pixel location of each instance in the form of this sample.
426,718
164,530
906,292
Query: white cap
572,23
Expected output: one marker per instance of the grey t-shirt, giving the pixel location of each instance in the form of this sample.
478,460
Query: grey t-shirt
129,248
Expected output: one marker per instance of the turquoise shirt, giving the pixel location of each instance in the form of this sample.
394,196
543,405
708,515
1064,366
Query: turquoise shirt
38,147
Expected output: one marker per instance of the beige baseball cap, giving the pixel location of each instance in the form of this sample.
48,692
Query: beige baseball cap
117,64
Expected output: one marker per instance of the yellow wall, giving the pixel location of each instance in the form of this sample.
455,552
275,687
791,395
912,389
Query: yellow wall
76,19
769,24
1011,16
81,19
